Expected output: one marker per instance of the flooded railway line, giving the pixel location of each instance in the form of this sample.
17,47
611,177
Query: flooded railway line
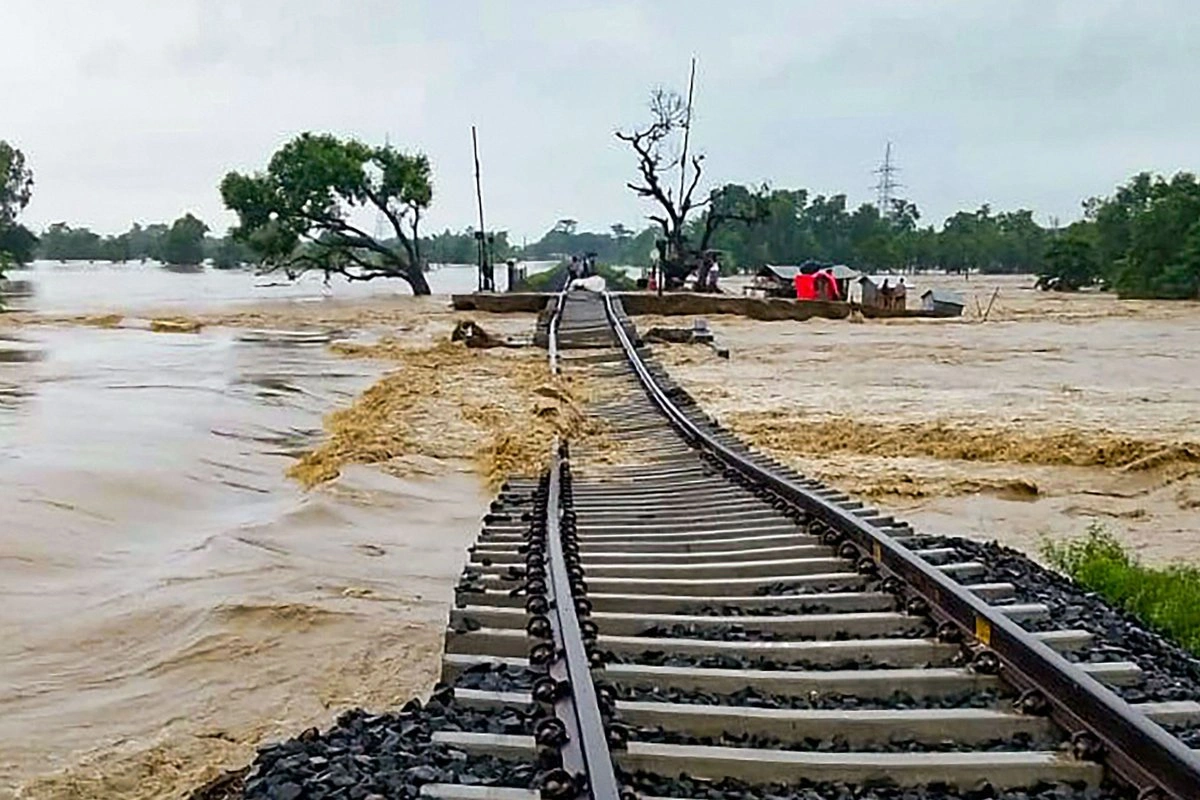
703,622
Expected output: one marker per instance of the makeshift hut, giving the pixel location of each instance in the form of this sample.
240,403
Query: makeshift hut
776,281
942,303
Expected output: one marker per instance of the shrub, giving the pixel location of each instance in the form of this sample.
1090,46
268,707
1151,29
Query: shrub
1165,598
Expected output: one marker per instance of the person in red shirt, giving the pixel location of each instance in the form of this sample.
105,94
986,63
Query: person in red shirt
826,286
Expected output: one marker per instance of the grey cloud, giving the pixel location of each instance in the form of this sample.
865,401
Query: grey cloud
132,110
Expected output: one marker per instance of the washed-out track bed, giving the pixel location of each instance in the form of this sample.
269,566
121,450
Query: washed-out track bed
698,621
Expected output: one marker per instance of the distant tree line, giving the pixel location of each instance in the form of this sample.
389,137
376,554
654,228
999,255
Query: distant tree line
448,247
184,242
619,245
1143,241
796,227
799,227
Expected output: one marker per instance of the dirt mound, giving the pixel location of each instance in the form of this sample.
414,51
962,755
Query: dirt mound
499,408
176,325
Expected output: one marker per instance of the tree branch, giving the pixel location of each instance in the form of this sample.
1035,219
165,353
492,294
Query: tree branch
396,221
686,203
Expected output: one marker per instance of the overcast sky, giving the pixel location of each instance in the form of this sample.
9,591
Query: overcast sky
134,109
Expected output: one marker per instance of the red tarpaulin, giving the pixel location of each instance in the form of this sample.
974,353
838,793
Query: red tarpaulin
806,286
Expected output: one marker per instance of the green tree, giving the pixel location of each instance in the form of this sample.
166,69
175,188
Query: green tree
115,248
904,215
1164,240
970,240
1021,242
16,188
184,242
60,242
1113,217
228,253
637,250
1070,260
296,215
18,246
145,244
448,247
16,183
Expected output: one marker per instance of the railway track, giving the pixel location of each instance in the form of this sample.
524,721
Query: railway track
699,621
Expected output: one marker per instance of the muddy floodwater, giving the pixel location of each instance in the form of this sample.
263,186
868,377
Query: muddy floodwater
169,598
1057,412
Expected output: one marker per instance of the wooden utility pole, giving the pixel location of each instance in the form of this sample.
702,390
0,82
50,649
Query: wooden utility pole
485,282
687,131
687,135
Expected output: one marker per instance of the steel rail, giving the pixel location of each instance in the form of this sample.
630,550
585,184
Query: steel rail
1134,748
552,331
585,752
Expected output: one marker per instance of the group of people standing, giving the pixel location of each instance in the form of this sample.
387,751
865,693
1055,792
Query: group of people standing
582,267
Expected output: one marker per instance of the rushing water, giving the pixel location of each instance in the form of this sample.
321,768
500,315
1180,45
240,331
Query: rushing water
160,578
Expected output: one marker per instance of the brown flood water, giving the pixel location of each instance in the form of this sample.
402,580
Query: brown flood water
169,599
1057,412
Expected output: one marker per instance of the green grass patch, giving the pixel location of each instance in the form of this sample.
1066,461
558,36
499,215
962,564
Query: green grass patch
617,280
1165,598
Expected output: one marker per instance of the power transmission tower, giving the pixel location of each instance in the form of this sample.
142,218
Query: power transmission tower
885,189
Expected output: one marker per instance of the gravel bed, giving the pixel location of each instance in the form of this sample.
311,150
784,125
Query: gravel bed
496,678
722,633
1018,743
749,697
764,611
780,588
1170,673
659,658
742,633
371,756
684,786
1189,736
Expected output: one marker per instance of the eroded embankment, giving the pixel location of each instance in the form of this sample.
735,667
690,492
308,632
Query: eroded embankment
499,408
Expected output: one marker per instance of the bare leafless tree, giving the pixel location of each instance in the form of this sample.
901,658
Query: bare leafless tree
655,148
654,145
